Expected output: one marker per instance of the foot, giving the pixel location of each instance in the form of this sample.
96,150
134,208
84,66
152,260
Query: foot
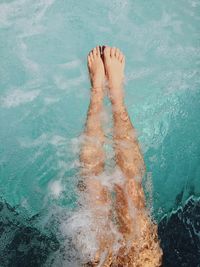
96,68
114,62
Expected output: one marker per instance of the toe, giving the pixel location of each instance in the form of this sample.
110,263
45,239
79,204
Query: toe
112,52
94,52
89,60
91,56
117,53
106,51
98,51
121,56
123,60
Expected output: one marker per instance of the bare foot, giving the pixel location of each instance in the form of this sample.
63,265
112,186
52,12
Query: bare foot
114,62
96,68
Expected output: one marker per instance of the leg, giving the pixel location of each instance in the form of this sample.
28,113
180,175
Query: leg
127,150
92,155
130,161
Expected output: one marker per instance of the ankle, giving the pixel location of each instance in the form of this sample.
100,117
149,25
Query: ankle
117,103
116,95
97,82
96,96
115,84
97,93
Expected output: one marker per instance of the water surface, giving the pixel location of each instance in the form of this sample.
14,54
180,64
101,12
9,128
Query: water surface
45,94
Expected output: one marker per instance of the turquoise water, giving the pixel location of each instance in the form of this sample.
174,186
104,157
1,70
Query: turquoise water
45,94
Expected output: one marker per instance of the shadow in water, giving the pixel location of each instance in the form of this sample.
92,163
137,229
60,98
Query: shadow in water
21,244
180,236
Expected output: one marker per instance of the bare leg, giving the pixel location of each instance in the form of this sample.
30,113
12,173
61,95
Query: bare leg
92,154
127,150
130,161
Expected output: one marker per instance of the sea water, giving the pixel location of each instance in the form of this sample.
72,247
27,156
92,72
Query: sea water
44,96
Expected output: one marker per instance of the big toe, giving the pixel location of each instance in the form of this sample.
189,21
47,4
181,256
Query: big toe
117,53
106,52
113,50
121,56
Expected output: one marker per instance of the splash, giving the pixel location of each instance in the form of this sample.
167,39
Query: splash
86,229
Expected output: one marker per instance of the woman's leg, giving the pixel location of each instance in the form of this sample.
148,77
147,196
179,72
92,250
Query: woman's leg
92,154
127,150
129,197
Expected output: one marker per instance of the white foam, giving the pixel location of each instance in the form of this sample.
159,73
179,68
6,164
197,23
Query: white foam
28,142
108,179
50,100
20,12
76,143
148,187
118,10
71,64
56,188
57,140
18,97
31,65
45,138
83,228
79,226
139,74
67,84
8,11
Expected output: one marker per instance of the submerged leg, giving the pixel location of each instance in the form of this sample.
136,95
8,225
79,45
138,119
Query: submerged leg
127,150
130,196
92,154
